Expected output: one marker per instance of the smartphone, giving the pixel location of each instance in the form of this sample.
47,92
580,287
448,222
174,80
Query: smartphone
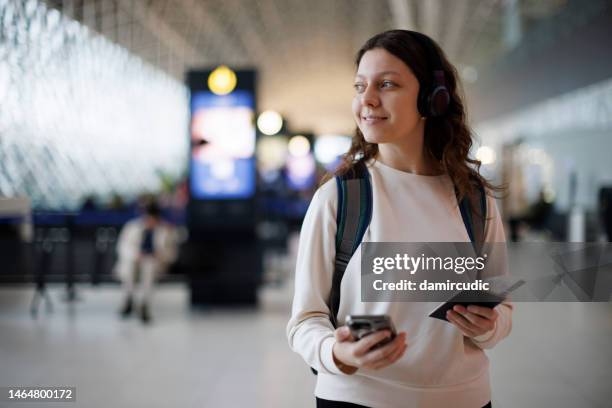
483,298
365,325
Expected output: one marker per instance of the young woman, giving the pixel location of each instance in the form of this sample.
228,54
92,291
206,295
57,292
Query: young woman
415,142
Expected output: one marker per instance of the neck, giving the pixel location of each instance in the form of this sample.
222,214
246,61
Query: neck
409,156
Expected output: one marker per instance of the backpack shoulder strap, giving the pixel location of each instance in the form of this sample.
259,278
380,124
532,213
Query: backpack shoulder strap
474,213
352,218
354,214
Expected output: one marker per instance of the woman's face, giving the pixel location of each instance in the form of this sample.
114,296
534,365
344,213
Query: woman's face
385,102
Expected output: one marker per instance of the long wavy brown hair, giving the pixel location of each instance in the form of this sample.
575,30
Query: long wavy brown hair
447,138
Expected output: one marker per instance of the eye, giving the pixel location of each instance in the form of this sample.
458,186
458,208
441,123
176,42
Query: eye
359,87
387,84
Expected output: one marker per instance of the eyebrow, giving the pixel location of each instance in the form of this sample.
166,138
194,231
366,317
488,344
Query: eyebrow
380,74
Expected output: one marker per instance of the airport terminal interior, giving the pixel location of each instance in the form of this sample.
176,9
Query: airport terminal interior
158,157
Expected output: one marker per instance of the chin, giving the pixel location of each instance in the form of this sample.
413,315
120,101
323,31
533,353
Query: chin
374,137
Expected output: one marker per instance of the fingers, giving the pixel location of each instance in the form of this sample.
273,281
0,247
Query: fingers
385,351
462,323
472,318
485,312
343,333
387,354
360,354
365,344
399,353
477,320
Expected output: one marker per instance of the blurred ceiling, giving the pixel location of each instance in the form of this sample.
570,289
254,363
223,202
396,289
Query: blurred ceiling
302,49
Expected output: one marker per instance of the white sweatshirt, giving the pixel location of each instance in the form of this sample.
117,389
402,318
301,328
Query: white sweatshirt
440,367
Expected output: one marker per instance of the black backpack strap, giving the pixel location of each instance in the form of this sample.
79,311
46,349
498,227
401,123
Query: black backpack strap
352,219
474,213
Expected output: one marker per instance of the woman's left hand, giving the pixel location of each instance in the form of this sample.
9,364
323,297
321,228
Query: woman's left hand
473,321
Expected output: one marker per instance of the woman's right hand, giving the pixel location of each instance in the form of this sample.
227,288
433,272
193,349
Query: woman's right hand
350,355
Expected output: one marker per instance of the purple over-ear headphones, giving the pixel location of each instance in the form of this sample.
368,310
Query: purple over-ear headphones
434,100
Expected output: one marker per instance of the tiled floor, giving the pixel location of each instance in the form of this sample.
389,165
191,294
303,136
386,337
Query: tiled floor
559,355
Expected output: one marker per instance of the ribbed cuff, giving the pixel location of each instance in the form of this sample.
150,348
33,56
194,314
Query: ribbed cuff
327,356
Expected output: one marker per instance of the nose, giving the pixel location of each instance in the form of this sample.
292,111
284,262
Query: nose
369,97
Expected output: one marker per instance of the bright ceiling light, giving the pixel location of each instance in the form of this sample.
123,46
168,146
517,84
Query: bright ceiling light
270,122
222,80
299,146
272,152
486,155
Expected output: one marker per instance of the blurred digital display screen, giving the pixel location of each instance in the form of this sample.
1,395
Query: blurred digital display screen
223,145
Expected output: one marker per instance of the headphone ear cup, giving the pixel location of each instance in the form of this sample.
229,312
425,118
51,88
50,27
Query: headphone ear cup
438,101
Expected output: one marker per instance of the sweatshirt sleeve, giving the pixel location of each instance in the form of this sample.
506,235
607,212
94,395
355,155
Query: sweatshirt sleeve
495,234
309,331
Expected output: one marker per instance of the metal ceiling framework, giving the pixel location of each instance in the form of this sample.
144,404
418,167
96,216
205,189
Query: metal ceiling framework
303,49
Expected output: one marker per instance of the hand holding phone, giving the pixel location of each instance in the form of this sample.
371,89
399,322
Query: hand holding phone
367,342
364,325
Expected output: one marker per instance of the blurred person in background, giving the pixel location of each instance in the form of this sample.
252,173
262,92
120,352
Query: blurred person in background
146,247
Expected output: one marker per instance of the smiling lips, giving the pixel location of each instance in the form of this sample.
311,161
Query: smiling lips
373,119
